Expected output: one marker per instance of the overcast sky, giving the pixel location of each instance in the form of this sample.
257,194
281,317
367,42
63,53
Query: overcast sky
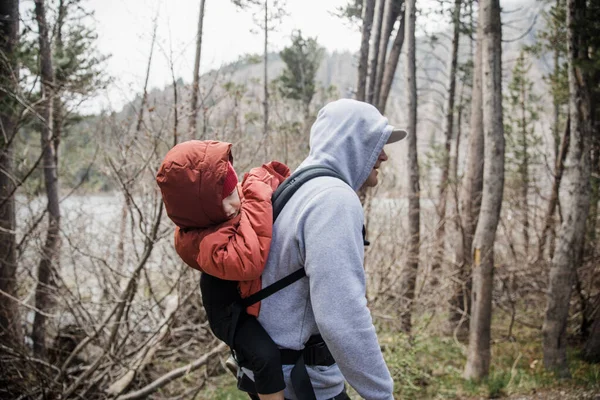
124,28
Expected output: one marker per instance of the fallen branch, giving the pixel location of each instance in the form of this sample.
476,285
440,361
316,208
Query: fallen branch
171,376
146,355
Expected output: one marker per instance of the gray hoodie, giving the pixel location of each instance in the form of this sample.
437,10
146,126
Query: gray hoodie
320,229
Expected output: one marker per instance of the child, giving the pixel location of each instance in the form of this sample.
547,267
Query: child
226,235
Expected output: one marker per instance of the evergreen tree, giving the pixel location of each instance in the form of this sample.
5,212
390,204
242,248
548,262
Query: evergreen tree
522,141
302,59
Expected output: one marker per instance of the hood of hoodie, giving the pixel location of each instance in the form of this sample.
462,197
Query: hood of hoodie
348,137
191,181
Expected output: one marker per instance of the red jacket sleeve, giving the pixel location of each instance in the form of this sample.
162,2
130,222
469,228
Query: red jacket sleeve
238,252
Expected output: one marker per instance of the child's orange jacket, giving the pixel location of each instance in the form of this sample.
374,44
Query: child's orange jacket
191,181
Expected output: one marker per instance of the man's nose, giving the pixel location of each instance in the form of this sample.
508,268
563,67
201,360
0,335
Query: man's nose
383,156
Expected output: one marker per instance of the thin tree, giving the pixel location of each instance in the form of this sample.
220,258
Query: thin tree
478,355
374,51
523,142
196,81
549,220
394,56
471,192
267,24
409,275
553,39
10,324
575,204
448,132
140,120
368,9
51,246
387,25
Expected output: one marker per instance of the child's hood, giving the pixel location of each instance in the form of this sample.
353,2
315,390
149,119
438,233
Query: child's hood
191,180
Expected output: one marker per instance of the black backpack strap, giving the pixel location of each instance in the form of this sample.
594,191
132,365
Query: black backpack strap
286,190
299,374
280,198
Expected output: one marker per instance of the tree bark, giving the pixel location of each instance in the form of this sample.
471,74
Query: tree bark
478,355
374,52
470,196
387,24
409,275
391,64
51,245
558,173
363,63
196,81
10,321
448,131
266,82
138,126
575,203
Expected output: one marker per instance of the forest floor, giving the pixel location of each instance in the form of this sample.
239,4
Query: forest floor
429,366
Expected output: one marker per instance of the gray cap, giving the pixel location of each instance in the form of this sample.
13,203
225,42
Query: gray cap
397,135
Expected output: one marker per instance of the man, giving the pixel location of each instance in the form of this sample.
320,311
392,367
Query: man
320,229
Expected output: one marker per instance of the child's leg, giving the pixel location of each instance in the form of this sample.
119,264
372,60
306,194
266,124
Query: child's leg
261,355
217,295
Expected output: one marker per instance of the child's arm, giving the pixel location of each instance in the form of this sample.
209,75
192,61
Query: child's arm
239,251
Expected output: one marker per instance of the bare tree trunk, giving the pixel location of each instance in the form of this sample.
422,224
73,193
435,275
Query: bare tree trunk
449,127
266,83
478,355
367,18
470,196
459,295
51,245
575,203
138,127
387,24
524,172
10,321
57,110
409,275
549,221
555,103
391,64
196,82
374,52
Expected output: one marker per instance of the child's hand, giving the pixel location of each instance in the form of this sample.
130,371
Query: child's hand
257,185
279,171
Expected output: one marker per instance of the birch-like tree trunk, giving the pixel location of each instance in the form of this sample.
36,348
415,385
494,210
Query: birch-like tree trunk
409,274
558,173
50,249
470,195
575,202
391,64
196,81
266,81
448,132
374,51
478,355
368,9
387,24
10,322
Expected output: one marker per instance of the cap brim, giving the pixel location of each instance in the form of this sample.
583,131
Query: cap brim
397,135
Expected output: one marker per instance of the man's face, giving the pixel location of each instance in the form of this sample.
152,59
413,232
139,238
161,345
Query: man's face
372,179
